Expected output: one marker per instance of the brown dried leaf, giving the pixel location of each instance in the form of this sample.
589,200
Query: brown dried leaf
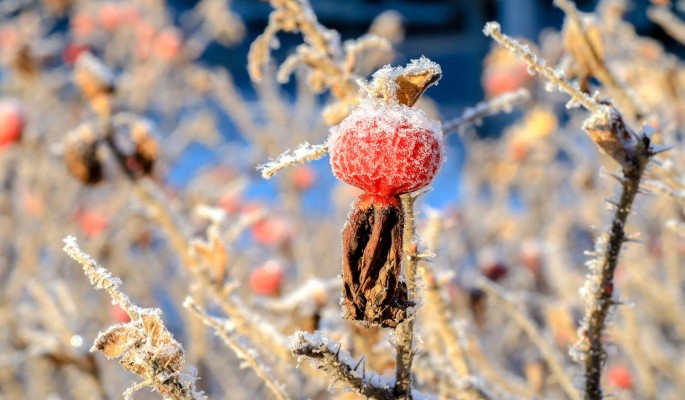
117,340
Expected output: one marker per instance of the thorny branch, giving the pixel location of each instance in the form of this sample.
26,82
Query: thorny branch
599,287
338,366
608,130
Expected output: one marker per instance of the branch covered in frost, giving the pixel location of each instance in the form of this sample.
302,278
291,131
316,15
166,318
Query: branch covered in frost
100,277
493,30
473,115
524,321
144,346
248,356
340,366
305,153
598,291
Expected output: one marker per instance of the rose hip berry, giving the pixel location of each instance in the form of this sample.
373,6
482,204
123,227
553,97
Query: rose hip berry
386,149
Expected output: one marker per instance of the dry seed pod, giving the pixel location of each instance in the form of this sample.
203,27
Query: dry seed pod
372,243
93,77
81,155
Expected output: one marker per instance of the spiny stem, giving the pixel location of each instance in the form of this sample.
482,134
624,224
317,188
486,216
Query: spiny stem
339,365
603,299
405,331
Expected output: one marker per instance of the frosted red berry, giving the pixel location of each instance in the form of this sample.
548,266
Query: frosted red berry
386,149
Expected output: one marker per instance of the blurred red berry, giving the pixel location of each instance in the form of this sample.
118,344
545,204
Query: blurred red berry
386,150
620,376
271,231
93,223
168,43
118,314
267,279
304,177
82,25
11,123
72,51
230,203
109,15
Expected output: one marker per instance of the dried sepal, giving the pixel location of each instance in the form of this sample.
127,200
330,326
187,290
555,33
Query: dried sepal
404,85
373,291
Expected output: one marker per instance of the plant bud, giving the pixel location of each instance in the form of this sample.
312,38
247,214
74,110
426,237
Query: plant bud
81,155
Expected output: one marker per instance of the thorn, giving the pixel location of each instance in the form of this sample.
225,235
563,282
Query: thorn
644,191
612,203
337,353
658,149
359,363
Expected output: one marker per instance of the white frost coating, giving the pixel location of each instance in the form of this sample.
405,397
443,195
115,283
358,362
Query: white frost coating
376,113
304,153
301,340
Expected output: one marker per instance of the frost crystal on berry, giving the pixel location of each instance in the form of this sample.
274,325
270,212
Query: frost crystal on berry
386,149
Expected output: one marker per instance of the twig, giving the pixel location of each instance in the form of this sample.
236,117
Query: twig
405,331
250,357
525,323
493,30
305,153
472,115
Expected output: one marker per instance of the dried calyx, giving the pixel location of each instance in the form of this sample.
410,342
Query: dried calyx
387,149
